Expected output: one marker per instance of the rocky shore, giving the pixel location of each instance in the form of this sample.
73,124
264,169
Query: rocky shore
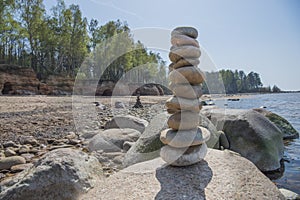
34,125
39,137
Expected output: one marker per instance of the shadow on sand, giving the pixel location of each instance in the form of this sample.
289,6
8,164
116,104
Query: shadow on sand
183,182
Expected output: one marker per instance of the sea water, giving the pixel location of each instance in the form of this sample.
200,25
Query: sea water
286,105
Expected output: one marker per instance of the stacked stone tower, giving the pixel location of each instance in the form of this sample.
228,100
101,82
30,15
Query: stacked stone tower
185,139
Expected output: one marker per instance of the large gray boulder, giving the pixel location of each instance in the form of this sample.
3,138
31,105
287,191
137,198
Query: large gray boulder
213,141
252,135
288,131
98,143
222,175
148,145
127,121
112,140
59,174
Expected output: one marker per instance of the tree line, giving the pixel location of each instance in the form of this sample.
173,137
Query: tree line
65,43
236,81
61,42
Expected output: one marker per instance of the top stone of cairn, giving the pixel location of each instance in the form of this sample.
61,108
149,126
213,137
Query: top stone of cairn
189,31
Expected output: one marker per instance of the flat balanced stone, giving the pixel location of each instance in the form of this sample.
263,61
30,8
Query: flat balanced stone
178,104
189,31
184,75
185,62
184,120
181,40
183,156
185,138
174,57
186,90
186,51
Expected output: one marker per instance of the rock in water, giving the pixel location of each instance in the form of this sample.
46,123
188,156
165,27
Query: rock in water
252,135
289,195
59,174
286,128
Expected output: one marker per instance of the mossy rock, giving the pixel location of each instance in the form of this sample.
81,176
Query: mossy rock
288,131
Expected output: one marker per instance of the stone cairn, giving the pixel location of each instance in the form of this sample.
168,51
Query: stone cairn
138,103
185,139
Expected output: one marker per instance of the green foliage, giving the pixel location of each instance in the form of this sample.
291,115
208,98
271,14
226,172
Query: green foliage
118,57
232,82
61,42
276,89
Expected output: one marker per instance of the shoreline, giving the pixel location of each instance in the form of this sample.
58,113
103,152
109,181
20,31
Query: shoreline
50,118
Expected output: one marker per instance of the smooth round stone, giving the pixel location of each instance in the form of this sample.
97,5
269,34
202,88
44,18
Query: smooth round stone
172,111
28,156
186,91
10,144
185,62
171,67
174,57
184,120
29,140
21,167
181,40
7,163
185,138
190,74
186,51
188,31
177,104
183,156
9,152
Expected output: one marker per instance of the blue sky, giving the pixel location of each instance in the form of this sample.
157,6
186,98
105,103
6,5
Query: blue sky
251,35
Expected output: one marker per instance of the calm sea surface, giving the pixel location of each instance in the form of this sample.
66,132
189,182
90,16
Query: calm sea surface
288,106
